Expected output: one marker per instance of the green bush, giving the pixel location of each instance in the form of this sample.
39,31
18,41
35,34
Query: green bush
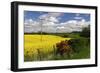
65,35
85,32
79,43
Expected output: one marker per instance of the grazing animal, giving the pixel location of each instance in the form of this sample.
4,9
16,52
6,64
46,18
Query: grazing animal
64,48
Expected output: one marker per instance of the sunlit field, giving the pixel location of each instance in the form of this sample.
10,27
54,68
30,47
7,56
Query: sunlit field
44,43
39,47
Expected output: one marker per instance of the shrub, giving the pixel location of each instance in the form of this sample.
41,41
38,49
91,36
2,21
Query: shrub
65,35
79,43
85,32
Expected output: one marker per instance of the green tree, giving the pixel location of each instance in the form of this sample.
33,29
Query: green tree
85,32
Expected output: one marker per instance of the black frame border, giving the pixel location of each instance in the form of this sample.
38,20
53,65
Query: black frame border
14,35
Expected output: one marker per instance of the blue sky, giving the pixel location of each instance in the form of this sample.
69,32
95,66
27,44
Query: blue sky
34,15
52,21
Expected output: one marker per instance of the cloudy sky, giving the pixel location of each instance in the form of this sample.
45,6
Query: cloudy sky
54,22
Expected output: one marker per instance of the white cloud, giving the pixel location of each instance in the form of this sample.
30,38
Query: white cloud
50,17
72,22
53,19
77,14
50,23
62,27
73,25
55,14
31,26
83,20
77,17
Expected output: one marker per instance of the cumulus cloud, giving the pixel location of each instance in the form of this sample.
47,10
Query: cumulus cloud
50,17
55,14
49,23
31,26
77,17
74,25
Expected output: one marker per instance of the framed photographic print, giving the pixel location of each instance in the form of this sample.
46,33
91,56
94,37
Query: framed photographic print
52,36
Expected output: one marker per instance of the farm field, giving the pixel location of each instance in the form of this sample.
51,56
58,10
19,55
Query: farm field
40,48
33,43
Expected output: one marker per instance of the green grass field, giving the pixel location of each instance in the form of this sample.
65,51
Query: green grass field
37,47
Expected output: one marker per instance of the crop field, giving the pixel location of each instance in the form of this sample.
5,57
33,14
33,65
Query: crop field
33,43
44,48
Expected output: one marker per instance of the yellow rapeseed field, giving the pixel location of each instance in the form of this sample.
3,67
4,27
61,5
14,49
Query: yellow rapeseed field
34,42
